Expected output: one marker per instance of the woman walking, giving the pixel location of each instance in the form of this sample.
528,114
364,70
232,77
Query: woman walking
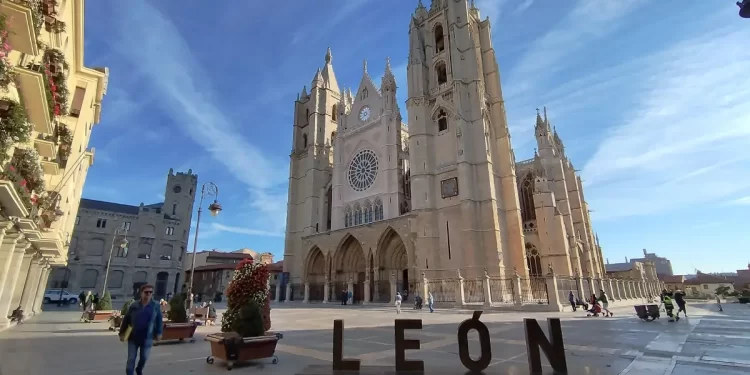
398,302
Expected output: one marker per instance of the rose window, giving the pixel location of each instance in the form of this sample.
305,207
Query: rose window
363,170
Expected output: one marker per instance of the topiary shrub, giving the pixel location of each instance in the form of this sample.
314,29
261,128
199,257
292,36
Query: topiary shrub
104,303
247,300
177,312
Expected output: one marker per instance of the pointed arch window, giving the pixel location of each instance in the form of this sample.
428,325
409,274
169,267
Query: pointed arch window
334,112
442,72
533,260
174,209
348,217
304,140
527,198
439,39
364,93
307,116
442,120
368,213
378,210
357,215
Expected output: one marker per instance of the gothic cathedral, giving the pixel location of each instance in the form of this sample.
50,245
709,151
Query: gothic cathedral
372,200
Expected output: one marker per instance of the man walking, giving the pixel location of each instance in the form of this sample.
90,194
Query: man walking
145,321
718,303
87,305
605,302
679,298
430,301
572,300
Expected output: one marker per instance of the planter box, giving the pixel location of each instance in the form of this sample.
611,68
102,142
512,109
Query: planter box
178,331
743,299
232,348
115,322
100,316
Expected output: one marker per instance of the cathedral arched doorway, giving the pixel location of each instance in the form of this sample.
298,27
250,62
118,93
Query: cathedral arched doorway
392,261
315,274
349,265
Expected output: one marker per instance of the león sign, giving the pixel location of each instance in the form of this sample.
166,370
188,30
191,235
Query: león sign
553,348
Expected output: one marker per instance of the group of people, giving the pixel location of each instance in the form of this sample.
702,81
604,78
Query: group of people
669,299
87,302
599,305
417,301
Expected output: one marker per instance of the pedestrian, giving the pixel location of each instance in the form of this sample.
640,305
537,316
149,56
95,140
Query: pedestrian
572,300
141,325
87,305
430,301
679,298
398,302
350,297
718,303
344,296
605,302
669,306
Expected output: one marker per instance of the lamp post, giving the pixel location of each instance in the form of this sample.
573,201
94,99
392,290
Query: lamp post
123,245
208,189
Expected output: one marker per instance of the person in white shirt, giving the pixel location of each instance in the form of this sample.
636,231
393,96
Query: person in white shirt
398,303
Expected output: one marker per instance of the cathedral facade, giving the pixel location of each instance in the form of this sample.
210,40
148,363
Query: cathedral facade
372,200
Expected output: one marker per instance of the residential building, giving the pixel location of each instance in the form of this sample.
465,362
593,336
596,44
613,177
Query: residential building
372,200
673,282
214,256
705,285
214,269
644,272
49,103
157,236
663,265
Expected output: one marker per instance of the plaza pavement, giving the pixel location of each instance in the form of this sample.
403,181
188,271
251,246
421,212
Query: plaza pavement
709,343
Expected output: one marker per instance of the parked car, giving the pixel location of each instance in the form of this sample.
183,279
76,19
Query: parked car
54,295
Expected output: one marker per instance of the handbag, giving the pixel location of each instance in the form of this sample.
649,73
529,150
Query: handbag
124,336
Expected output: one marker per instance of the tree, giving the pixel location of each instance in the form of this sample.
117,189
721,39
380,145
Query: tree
177,312
722,291
248,304
104,303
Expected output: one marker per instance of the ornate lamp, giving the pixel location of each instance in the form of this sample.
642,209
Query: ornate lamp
214,208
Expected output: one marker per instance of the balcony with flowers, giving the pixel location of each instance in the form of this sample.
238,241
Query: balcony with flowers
23,20
56,71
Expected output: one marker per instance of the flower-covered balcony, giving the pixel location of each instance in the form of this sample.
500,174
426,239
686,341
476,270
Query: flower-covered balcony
23,20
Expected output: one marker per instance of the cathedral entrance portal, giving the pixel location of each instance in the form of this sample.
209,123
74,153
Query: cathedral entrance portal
393,263
349,266
316,274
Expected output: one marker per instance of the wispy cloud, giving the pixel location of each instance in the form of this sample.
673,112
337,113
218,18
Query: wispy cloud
315,30
587,21
176,77
245,231
523,6
744,201
691,111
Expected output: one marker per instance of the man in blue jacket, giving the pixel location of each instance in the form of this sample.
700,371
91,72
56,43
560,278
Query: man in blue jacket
145,318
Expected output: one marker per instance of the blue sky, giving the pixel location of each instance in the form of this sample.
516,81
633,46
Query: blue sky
650,98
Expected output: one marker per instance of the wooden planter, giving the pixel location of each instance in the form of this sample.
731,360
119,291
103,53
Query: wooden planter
99,316
178,331
233,348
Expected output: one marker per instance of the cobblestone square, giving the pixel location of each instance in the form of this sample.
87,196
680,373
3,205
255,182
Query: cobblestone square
708,342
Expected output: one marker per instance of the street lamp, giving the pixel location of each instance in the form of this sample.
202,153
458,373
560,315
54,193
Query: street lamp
208,189
744,8
123,245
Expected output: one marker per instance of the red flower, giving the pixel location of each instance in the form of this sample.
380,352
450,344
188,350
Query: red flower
23,182
12,168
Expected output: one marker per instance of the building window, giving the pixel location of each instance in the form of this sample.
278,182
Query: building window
378,210
304,140
439,39
334,112
442,72
705,286
170,231
174,209
126,225
442,121
78,220
101,223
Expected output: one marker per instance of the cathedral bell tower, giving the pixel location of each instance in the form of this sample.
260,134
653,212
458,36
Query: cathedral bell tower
310,162
462,165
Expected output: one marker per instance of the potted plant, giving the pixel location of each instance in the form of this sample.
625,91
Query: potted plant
102,308
178,327
246,323
117,317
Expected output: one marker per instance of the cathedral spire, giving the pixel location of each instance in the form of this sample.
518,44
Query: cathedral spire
329,78
317,80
